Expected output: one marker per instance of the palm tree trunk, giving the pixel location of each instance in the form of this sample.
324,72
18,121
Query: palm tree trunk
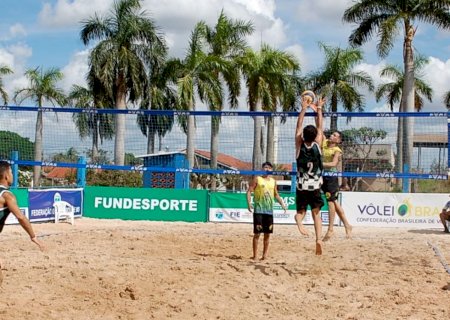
38,148
215,125
95,145
119,145
160,142
257,152
408,95
333,120
270,140
151,137
190,137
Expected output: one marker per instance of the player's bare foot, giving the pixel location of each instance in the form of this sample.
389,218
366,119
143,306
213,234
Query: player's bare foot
348,231
263,258
328,235
253,258
303,231
319,245
446,230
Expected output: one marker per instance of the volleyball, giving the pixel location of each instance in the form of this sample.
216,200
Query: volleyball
310,95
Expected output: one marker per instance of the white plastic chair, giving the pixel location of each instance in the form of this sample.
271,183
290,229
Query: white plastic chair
64,209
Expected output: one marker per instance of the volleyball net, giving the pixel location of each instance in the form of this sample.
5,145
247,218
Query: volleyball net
155,141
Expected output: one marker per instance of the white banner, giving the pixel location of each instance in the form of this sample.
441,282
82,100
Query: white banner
243,215
12,218
407,210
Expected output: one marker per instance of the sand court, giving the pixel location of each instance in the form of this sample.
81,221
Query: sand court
113,269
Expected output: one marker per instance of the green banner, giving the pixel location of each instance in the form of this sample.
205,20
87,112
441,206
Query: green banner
239,200
232,207
22,197
145,204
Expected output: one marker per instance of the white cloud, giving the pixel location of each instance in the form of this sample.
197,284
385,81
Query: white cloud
322,11
17,30
299,52
75,71
437,75
67,13
15,57
177,18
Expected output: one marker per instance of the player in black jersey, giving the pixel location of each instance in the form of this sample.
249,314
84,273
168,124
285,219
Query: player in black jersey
309,168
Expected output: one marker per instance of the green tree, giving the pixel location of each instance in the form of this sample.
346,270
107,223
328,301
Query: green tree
129,40
338,82
99,126
265,73
198,73
386,18
4,70
161,95
70,156
358,144
11,141
447,100
226,41
42,88
393,91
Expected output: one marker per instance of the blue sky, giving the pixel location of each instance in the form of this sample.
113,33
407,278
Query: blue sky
46,33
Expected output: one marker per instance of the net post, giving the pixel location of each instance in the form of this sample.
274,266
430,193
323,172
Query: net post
405,180
15,169
81,173
448,145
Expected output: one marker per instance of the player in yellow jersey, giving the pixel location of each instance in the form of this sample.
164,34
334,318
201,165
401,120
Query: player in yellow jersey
265,190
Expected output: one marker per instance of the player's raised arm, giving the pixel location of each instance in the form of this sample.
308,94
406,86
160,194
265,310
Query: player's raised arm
319,120
299,128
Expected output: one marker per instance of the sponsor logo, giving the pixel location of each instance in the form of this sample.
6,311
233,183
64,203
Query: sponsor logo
49,164
219,215
385,175
384,114
181,113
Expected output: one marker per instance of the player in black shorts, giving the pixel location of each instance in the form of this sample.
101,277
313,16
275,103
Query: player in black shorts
309,168
331,157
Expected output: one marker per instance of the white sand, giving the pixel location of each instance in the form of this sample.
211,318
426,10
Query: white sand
112,269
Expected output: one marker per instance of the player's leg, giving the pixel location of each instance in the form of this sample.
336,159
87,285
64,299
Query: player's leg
316,204
266,246
257,229
301,202
444,217
267,230
341,214
331,217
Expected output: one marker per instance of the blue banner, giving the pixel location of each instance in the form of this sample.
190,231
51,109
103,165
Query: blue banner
41,202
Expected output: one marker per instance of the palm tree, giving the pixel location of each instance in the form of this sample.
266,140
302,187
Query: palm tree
226,42
160,95
447,100
42,88
128,43
393,93
386,18
198,73
338,81
99,126
265,74
393,90
4,70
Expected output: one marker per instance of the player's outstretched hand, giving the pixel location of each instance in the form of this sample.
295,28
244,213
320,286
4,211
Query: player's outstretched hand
39,244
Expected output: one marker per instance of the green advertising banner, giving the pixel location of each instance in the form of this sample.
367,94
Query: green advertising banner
22,197
22,202
232,207
145,204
